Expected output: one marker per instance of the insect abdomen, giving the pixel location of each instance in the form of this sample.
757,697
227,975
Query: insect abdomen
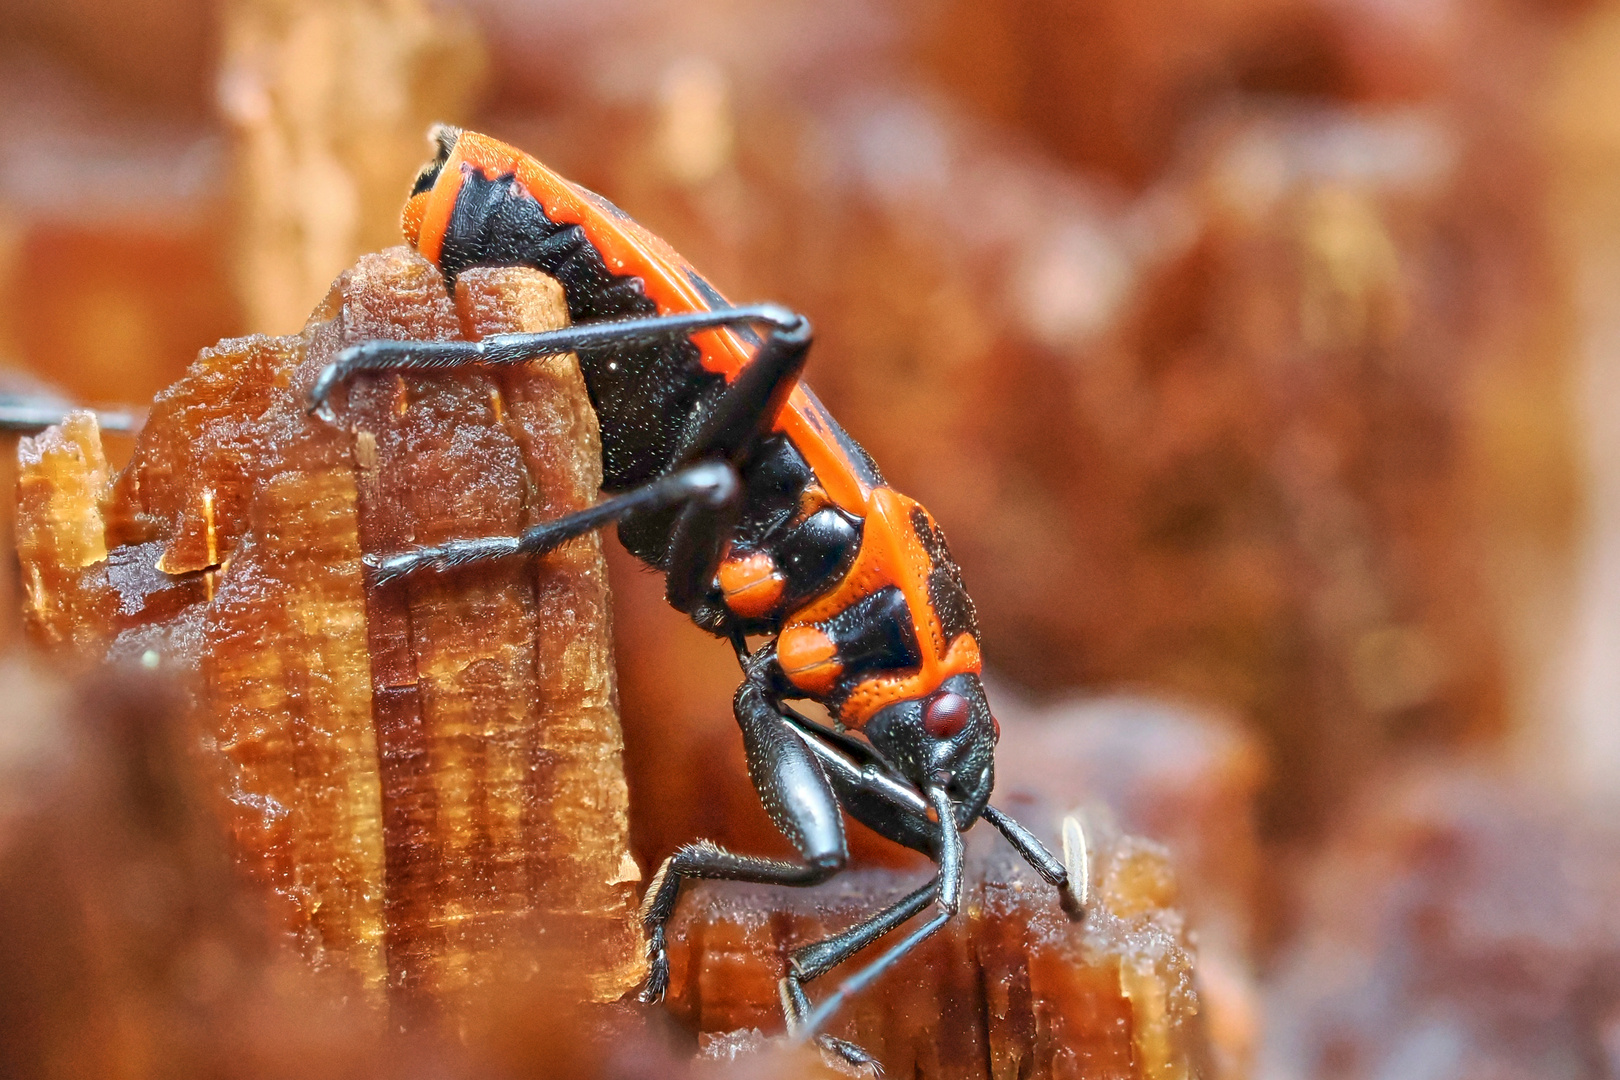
645,393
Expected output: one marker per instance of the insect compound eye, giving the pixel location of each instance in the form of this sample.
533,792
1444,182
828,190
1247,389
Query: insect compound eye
946,715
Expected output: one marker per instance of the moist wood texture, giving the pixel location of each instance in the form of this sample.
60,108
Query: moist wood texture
423,773
1011,990
426,776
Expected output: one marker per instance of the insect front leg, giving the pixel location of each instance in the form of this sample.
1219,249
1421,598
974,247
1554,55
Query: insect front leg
798,798
808,962
946,893
814,960
1071,876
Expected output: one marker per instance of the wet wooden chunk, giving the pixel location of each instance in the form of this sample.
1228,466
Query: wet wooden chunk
131,948
423,773
1010,989
60,538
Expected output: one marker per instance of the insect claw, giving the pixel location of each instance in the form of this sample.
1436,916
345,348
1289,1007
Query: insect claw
849,1054
324,413
321,390
385,568
657,970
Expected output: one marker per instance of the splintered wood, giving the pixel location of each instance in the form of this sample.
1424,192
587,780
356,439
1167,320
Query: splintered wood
1010,990
426,774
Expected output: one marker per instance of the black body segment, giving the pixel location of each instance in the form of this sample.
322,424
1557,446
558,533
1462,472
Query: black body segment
945,592
722,468
646,393
876,634
817,550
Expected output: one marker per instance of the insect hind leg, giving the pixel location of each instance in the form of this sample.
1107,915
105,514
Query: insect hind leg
383,355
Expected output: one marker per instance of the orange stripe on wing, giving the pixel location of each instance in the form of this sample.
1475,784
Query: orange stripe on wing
627,248
435,209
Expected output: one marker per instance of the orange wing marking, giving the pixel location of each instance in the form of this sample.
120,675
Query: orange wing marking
627,248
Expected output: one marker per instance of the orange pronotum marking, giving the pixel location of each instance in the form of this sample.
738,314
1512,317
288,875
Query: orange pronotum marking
751,585
892,554
432,219
410,219
872,694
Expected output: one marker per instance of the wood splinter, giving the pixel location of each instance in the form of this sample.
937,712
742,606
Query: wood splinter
423,775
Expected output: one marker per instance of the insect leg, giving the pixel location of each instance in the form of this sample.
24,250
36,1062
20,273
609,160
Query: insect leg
795,1006
709,483
731,429
822,956
794,792
29,413
383,355
752,400
697,543
1072,886
813,960
947,895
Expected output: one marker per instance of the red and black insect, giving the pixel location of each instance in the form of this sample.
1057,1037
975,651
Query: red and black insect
725,473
